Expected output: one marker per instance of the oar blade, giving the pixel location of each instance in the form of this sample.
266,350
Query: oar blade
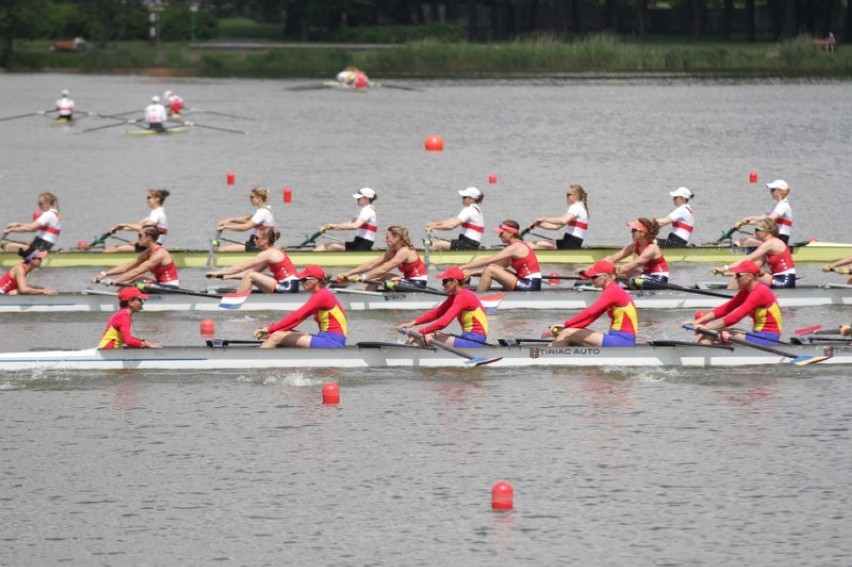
806,359
481,361
807,330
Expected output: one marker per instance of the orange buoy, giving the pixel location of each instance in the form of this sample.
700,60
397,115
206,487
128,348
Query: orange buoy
331,393
208,327
492,179
434,143
752,177
502,496
553,278
288,195
230,178
82,244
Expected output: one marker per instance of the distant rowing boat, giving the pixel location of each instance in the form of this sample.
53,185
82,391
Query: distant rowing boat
96,300
817,252
378,355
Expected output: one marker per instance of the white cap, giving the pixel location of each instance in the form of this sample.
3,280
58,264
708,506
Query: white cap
155,98
64,92
682,192
167,94
365,192
778,184
471,192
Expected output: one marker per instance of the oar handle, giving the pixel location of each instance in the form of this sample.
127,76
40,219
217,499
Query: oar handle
443,346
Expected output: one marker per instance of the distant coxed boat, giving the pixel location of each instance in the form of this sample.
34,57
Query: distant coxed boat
819,252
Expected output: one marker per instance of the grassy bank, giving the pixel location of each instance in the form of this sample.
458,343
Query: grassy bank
802,56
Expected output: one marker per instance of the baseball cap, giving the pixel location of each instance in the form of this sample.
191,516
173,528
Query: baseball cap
311,271
746,267
128,293
471,192
452,273
598,268
35,254
365,192
778,184
682,192
155,98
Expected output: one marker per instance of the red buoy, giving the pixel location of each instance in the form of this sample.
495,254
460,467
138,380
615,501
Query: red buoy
492,179
752,177
230,178
331,393
553,278
502,496
82,244
288,195
434,143
208,327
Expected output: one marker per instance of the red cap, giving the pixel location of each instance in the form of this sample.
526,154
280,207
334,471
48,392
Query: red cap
311,271
128,293
452,273
746,267
598,268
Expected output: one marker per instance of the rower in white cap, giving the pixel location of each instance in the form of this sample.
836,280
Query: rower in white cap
155,115
682,220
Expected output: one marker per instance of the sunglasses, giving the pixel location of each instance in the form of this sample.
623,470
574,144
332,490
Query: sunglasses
741,274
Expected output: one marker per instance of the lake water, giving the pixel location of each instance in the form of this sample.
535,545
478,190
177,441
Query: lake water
609,466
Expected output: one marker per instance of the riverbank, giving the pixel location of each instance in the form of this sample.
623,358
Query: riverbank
800,57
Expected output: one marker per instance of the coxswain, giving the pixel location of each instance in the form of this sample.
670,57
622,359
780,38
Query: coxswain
614,301
14,282
173,103
365,225
250,273
470,219
772,253
255,222
575,220
400,254
461,304
754,299
156,115
781,213
649,264
837,267
118,332
47,226
65,106
682,220
515,267
155,259
322,305
156,218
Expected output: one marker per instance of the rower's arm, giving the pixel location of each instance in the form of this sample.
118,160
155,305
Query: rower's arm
388,265
446,224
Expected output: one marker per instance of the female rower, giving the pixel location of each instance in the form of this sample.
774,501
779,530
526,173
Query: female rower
47,226
754,299
14,282
463,305
832,267
364,223
156,115
649,264
773,253
682,220
65,106
250,273
399,254
575,220
326,310
262,218
155,259
471,220
614,301
353,78
156,218
781,213
119,332
173,103
524,275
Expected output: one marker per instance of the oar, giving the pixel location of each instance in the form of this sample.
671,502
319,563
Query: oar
640,283
202,111
98,241
391,286
4,119
214,244
558,277
105,127
472,361
197,125
818,330
799,360
219,343
164,289
310,239
727,235
507,342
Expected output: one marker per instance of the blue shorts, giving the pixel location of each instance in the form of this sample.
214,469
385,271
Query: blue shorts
619,339
763,338
783,281
324,339
655,278
287,286
410,283
469,340
528,284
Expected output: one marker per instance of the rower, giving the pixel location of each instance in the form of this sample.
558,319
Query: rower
47,226
773,253
156,218
156,115
260,219
470,219
325,309
515,267
173,103
781,213
118,332
365,224
614,301
353,78
400,254
682,220
14,282
649,264
250,273
155,259
463,305
755,300
832,267
65,106
575,220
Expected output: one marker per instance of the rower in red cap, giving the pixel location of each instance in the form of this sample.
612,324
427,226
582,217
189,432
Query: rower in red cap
614,301
326,310
462,304
755,300
649,263
515,267
118,332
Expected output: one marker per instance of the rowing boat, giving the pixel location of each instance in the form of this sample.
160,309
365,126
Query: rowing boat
378,355
96,300
150,132
820,252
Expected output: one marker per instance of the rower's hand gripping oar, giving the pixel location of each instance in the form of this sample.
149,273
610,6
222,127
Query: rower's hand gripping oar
310,239
725,337
472,361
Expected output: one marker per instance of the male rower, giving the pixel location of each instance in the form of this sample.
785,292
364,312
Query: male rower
14,282
118,332
155,259
156,115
